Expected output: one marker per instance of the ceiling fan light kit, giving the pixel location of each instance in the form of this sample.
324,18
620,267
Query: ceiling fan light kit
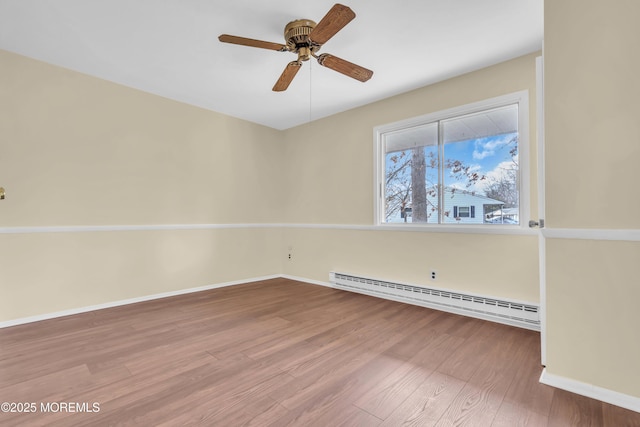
304,37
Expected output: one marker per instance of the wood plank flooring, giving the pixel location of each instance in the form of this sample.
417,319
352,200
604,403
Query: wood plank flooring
282,353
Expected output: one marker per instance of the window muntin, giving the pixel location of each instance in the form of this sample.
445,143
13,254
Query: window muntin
468,158
462,211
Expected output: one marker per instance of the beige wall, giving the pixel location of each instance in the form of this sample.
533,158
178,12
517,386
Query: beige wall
593,151
343,144
593,317
45,273
592,121
490,265
79,151
329,179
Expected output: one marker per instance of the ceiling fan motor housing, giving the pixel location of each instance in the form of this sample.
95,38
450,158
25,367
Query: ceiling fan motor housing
296,33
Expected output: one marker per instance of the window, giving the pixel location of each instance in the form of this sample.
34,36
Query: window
465,165
464,211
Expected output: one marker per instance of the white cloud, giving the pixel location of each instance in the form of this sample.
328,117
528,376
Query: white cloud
486,147
499,172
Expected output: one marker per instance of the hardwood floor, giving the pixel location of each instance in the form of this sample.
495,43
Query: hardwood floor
282,353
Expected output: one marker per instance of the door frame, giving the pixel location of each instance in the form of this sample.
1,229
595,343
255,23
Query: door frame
542,271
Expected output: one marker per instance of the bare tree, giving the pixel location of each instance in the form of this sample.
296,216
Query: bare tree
403,192
418,185
398,185
505,187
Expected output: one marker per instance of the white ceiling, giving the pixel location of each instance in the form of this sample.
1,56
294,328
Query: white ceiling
170,47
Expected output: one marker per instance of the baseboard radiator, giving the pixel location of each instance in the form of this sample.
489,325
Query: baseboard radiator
519,314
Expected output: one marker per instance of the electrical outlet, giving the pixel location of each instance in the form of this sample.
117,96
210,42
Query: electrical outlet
289,256
433,275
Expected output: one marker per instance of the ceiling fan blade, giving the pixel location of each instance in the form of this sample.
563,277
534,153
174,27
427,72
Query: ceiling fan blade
226,38
345,67
287,76
337,17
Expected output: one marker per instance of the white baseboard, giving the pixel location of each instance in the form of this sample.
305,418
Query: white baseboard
605,395
47,316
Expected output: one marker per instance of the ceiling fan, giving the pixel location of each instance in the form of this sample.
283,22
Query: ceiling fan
304,37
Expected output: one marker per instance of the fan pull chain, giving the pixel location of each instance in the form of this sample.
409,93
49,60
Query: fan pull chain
310,89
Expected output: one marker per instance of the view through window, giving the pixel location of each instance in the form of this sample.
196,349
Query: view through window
461,169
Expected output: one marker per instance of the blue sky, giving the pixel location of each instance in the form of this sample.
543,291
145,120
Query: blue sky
486,156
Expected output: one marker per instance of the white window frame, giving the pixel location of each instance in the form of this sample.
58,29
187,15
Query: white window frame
522,99
468,213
